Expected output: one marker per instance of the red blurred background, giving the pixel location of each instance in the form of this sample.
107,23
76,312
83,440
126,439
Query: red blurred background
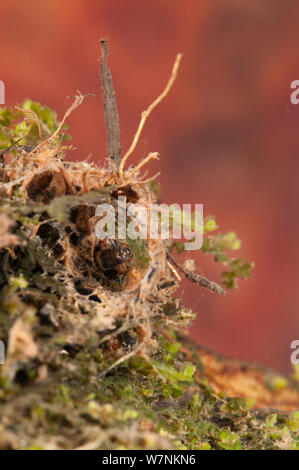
227,133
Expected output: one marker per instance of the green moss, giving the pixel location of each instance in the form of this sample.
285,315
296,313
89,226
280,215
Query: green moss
19,126
163,395
70,395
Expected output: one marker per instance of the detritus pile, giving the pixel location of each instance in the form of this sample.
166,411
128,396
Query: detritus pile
92,357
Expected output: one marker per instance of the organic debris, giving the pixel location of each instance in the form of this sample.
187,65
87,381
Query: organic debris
92,358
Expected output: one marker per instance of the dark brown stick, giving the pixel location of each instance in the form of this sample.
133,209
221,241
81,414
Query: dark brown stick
198,279
26,148
110,109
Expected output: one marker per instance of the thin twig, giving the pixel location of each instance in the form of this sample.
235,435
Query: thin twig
174,271
152,178
110,109
26,148
145,114
197,278
151,156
